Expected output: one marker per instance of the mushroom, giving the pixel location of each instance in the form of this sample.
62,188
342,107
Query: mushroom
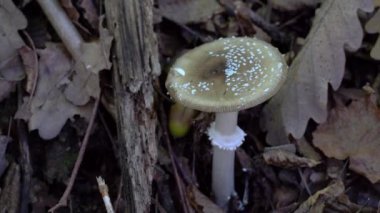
226,76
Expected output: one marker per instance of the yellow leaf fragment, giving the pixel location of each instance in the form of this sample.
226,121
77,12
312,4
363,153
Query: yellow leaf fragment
353,132
320,62
286,159
373,26
317,202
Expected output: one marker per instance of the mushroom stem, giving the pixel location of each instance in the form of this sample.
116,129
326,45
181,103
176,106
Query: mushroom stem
223,184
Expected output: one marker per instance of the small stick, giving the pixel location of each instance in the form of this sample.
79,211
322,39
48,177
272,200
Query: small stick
103,188
63,200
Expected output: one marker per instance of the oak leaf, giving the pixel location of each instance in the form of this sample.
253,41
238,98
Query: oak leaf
49,108
353,132
320,62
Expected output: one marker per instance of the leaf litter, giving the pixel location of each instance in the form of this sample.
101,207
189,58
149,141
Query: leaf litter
353,132
267,182
320,62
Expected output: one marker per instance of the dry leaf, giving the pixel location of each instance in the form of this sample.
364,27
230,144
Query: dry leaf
49,108
201,203
97,53
317,202
353,132
307,150
185,11
321,61
29,59
286,159
292,5
373,26
12,20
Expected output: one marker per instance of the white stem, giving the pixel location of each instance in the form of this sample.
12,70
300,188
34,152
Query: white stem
63,26
223,161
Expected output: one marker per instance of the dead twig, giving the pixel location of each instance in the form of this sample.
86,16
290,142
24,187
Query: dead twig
63,200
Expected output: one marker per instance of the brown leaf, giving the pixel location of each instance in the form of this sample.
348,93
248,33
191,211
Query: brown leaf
286,159
317,202
49,108
29,59
292,5
185,11
320,62
353,132
373,26
201,203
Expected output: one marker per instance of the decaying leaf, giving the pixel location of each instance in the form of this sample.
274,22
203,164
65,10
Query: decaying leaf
373,26
353,132
321,61
201,203
12,20
193,11
292,5
30,61
286,159
49,108
317,202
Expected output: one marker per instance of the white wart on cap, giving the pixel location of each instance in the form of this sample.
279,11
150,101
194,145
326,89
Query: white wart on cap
226,75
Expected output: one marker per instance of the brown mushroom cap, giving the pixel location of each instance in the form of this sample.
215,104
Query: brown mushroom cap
227,75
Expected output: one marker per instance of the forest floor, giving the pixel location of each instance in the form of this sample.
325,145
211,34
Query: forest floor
313,147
